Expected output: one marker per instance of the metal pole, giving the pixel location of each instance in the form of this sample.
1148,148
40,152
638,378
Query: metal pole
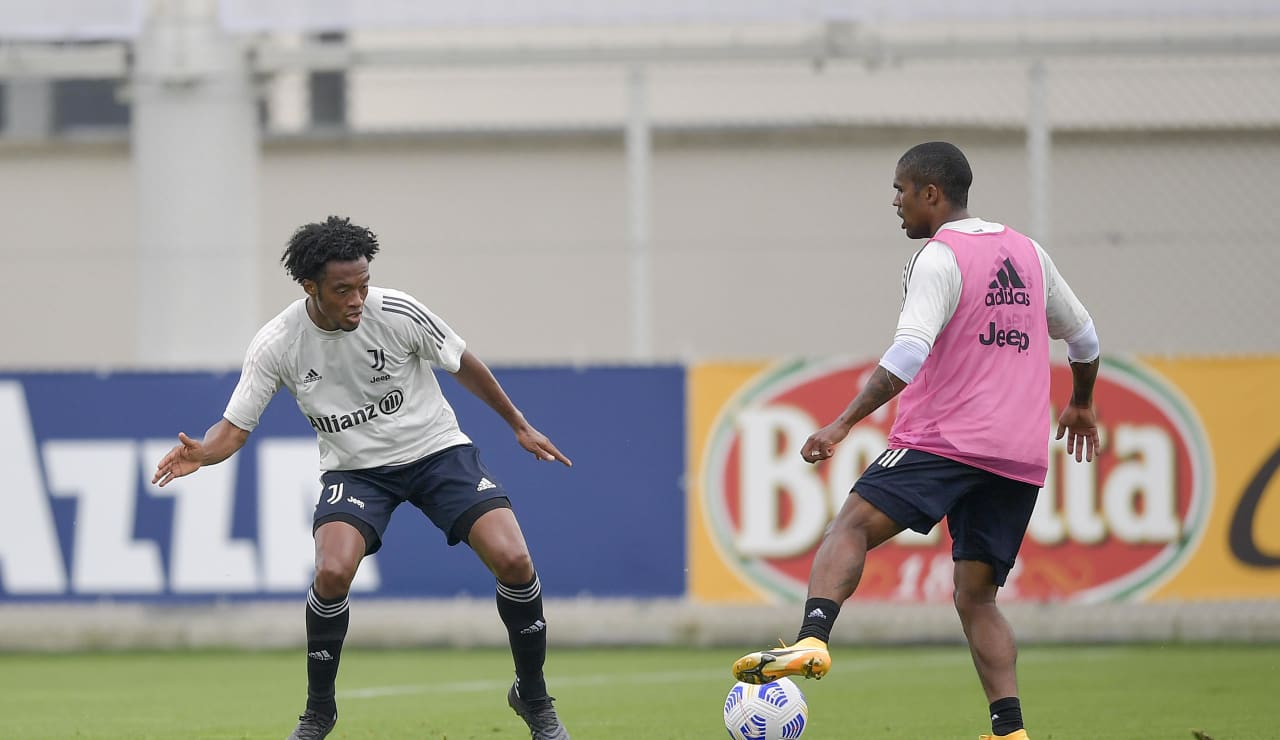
639,156
195,156
1039,149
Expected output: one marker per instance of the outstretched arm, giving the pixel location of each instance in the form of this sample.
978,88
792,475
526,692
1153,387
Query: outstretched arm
881,387
476,377
1077,420
221,441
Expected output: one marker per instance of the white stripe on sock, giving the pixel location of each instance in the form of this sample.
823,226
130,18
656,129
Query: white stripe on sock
527,593
322,609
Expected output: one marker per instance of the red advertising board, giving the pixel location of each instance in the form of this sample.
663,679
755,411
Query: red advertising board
1120,528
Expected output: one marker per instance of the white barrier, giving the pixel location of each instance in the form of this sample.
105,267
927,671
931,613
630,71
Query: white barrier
609,622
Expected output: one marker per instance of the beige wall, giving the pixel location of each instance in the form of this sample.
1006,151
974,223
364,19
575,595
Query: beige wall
764,244
68,256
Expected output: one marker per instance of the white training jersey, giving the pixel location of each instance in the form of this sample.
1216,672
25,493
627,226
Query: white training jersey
370,394
931,289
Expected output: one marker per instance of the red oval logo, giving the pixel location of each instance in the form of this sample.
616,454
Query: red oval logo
1113,529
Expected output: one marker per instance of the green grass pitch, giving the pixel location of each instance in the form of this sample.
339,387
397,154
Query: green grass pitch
1069,693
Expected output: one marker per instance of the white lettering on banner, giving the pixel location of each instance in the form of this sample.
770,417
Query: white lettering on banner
909,576
770,470
1085,523
203,555
1140,496
288,488
784,504
925,578
103,478
848,460
30,561
1070,510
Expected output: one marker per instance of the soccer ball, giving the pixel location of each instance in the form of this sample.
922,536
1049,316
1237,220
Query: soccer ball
771,711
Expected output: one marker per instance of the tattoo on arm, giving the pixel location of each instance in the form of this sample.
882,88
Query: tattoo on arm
881,387
1083,375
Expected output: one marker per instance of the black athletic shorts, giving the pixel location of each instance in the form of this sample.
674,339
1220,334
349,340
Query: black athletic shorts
987,514
452,487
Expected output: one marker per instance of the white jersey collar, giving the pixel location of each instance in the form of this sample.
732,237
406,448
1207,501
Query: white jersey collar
972,225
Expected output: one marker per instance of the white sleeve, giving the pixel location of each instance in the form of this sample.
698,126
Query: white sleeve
905,357
431,338
930,293
1066,315
1083,346
259,380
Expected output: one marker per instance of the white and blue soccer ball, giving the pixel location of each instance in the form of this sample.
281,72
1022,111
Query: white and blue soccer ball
771,711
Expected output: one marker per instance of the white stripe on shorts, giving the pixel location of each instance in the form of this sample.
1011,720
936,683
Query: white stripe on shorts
891,457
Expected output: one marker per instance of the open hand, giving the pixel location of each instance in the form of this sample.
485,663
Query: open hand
1081,428
184,459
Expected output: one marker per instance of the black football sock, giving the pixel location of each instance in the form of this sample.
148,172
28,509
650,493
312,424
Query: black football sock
819,617
326,629
520,608
1006,715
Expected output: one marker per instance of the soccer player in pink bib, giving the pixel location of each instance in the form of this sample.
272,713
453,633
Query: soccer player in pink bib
970,358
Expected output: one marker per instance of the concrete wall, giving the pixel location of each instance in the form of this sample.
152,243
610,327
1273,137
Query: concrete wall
765,242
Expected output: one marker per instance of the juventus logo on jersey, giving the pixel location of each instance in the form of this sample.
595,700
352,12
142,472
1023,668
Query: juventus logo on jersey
379,359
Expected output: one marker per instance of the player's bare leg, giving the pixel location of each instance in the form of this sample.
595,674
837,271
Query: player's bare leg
498,541
991,640
837,565
496,538
836,572
339,549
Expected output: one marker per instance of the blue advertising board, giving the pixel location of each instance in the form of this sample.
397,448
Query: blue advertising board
82,521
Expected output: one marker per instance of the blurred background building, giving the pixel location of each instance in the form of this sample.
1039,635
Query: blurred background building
625,181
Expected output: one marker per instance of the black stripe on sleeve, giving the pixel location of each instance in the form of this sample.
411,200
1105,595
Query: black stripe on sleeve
906,274
406,308
439,342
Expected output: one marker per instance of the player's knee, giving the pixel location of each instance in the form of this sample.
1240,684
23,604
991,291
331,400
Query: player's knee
513,566
333,578
968,600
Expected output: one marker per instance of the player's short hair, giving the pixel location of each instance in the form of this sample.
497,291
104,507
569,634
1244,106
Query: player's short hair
315,245
939,163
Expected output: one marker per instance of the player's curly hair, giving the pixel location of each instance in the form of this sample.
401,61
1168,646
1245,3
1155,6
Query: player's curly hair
942,164
314,245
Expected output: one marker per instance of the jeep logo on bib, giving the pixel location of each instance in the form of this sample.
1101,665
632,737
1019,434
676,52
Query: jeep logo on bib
1111,530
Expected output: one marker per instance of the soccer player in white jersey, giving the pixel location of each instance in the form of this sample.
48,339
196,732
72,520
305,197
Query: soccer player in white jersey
358,359
970,439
